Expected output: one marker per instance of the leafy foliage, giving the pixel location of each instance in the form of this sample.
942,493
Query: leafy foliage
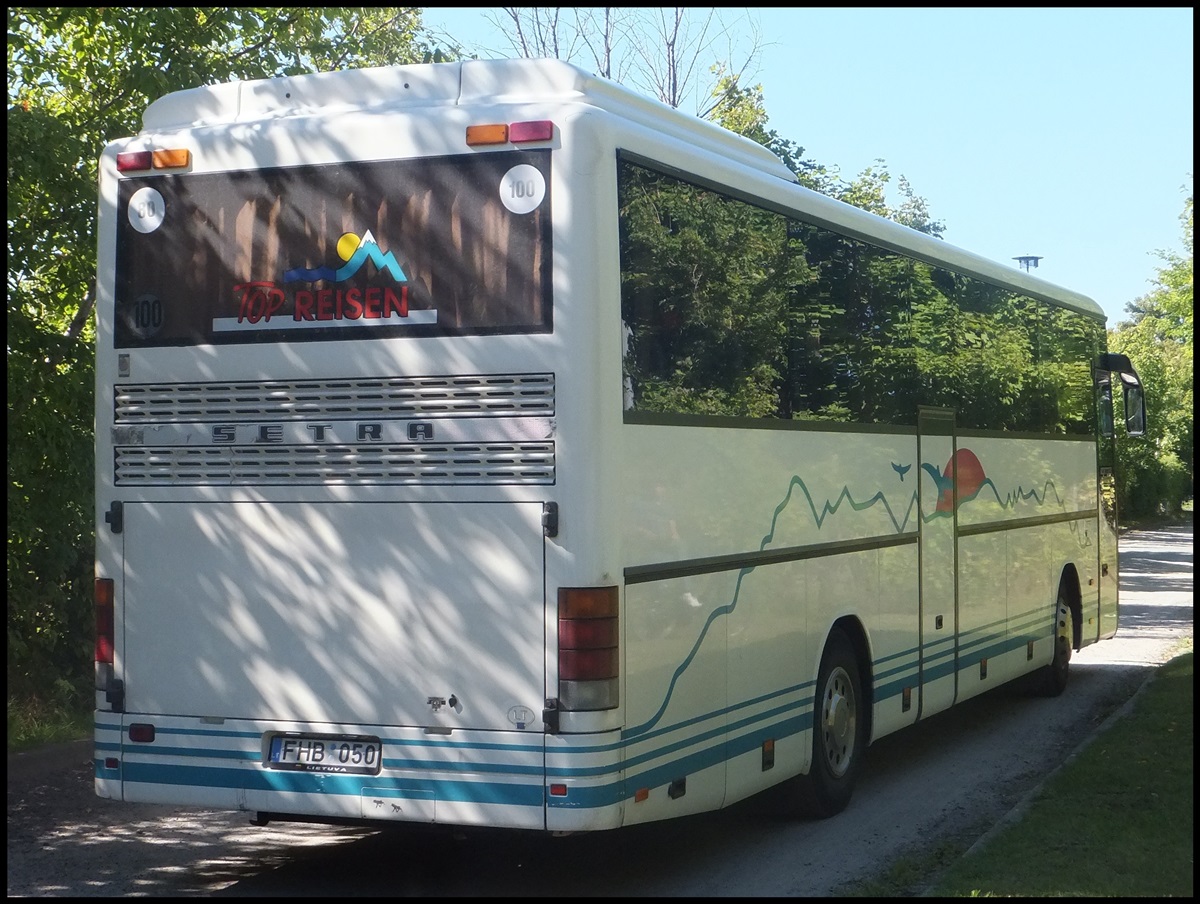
743,110
77,78
1157,476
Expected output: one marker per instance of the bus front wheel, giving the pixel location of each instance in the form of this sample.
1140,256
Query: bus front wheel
839,732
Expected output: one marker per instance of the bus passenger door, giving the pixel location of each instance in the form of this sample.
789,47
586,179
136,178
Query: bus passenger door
938,619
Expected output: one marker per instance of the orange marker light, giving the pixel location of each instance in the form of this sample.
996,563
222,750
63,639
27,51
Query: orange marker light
175,158
496,133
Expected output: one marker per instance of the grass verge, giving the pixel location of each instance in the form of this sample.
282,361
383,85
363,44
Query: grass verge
62,715
1116,821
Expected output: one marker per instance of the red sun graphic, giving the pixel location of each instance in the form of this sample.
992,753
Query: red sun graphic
966,469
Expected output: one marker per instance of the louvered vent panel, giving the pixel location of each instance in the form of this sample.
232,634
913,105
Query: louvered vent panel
462,463
505,461
421,397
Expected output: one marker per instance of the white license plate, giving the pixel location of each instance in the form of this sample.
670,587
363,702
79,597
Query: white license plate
345,754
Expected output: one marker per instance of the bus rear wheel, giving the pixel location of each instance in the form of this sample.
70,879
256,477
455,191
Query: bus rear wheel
1051,680
839,736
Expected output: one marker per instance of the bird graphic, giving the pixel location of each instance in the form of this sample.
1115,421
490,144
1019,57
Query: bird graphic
944,483
901,470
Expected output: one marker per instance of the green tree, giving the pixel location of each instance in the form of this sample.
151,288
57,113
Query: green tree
743,110
1158,475
78,78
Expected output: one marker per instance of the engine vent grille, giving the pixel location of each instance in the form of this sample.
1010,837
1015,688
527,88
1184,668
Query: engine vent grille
421,464
507,444
420,397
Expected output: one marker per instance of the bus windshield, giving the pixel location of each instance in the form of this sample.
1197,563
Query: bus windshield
455,245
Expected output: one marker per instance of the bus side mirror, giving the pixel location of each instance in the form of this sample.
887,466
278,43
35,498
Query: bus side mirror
1131,385
1135,409
1106,409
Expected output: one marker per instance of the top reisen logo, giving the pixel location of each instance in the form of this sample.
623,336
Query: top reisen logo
265,304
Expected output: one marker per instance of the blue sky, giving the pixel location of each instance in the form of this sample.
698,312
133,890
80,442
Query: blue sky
1064,133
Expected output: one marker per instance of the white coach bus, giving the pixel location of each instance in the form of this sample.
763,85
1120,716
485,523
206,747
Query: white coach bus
485,444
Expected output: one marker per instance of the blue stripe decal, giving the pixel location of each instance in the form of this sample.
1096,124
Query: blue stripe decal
521,795
615,792
827,509
254,756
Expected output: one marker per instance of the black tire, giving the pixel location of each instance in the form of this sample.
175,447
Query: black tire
839,735
1051,680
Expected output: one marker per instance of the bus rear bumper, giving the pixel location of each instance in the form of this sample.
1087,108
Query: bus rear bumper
470,778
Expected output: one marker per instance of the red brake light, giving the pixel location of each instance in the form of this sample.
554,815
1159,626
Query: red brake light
105,624
587,633
587,665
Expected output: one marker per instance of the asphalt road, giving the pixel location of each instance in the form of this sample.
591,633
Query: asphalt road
957,775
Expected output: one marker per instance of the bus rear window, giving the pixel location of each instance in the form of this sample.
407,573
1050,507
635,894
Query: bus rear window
444,246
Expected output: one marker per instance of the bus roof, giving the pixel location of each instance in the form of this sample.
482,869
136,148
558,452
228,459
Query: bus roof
528,81
443,84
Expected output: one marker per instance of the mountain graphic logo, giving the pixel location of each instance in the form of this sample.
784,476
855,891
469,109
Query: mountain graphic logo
356,252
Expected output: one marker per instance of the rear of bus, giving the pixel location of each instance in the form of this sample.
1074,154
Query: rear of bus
352,561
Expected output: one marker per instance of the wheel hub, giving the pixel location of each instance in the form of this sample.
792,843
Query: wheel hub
839,722
838,718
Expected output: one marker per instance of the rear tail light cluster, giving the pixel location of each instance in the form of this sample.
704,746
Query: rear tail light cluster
588,650
106,634
105,624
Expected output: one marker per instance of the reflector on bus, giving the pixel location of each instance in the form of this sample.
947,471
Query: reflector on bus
517,132
493,133
163,158
134,160
533,130
172,158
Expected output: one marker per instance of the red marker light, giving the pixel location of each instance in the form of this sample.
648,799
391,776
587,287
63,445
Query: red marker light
534,130
134,160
